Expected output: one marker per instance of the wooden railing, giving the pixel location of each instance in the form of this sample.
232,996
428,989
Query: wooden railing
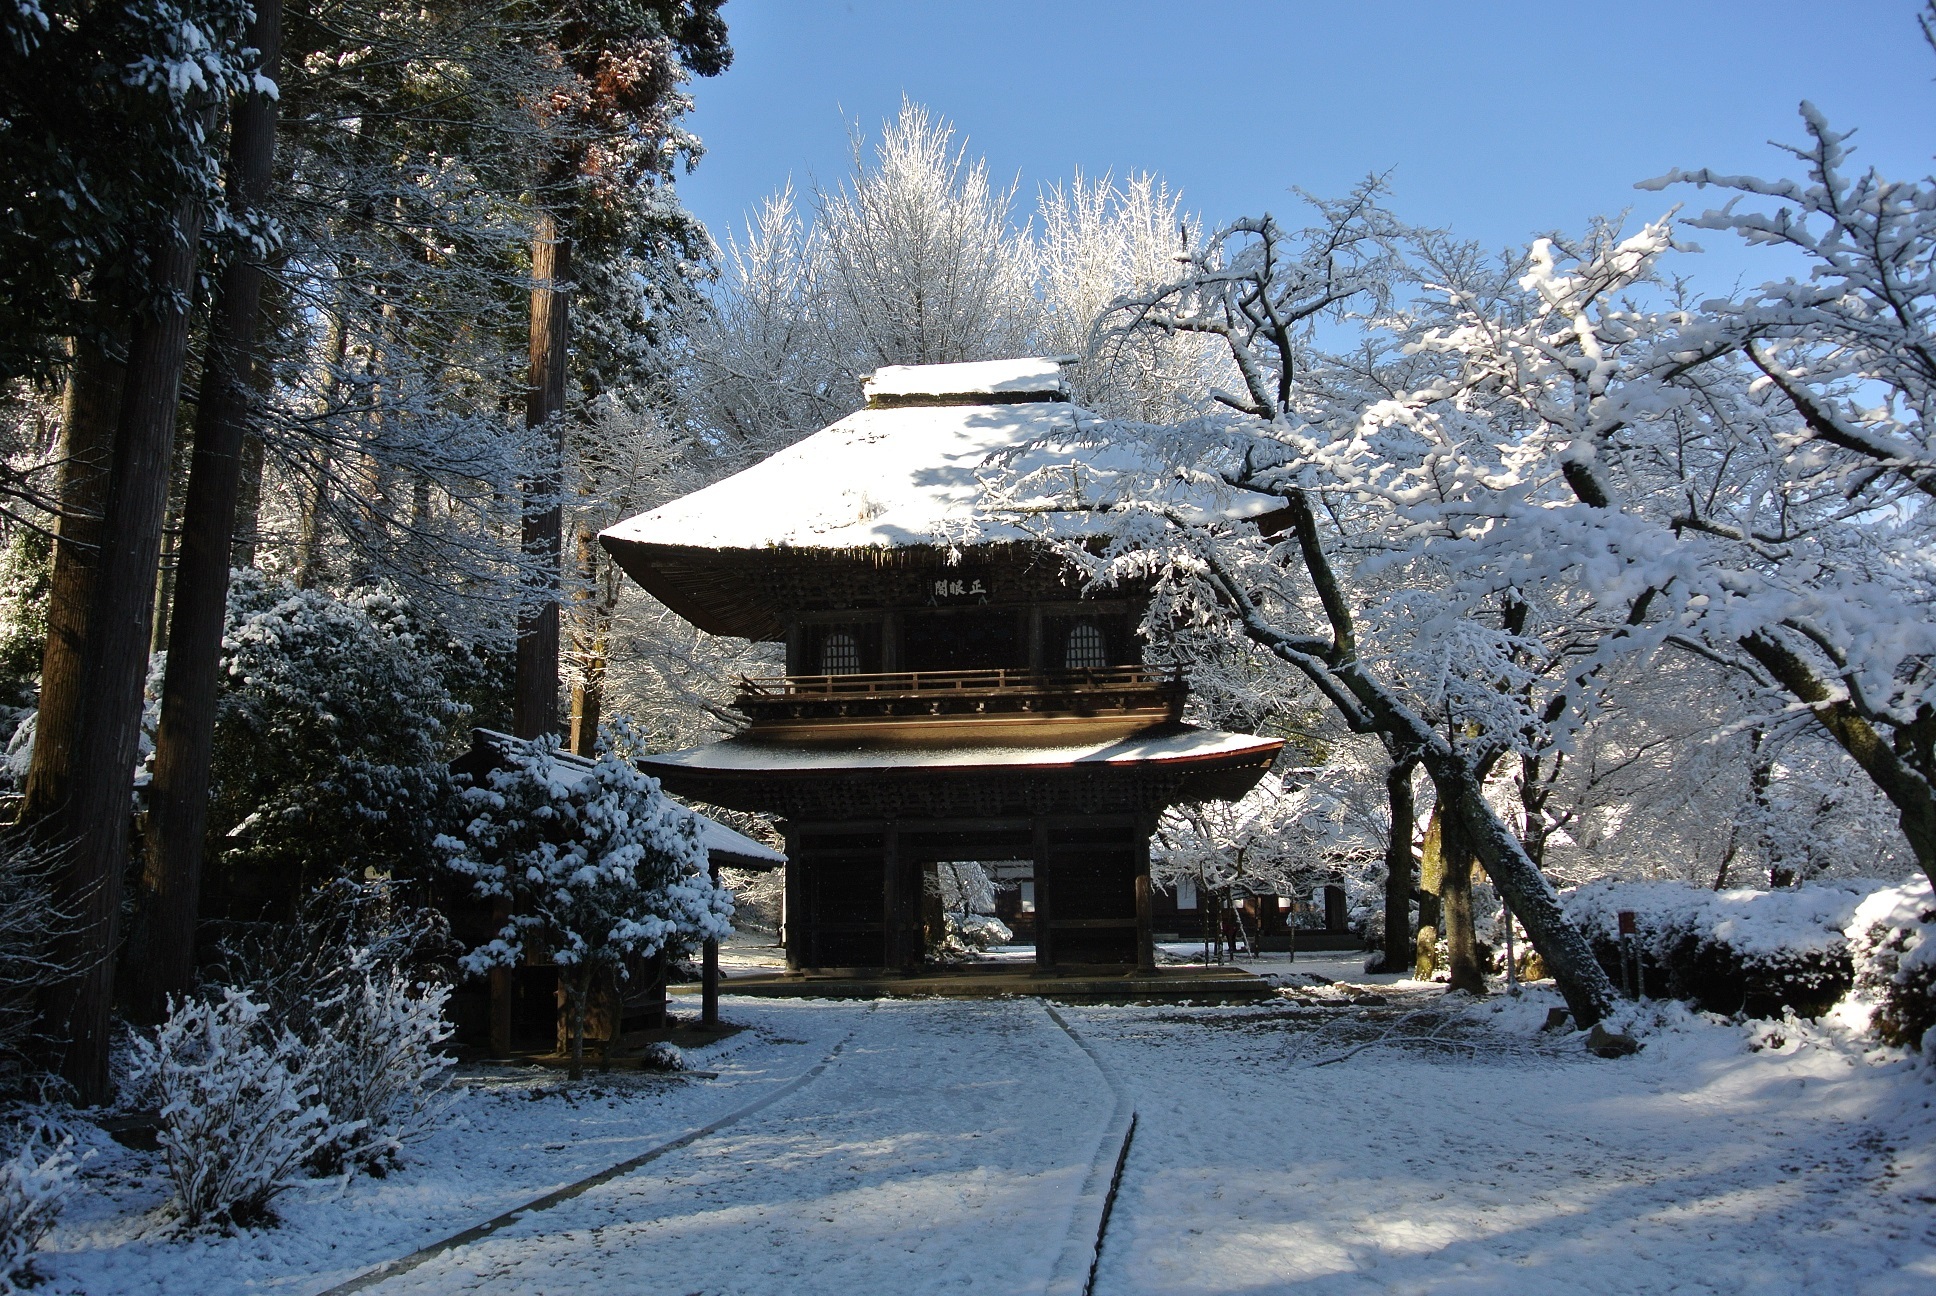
957,684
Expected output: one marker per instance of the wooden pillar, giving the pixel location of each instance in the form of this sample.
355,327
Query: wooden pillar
891,642
1145,929
1044,899
501,989
795,921
709,970
900,905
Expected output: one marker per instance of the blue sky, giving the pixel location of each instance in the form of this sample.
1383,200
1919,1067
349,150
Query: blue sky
1496,119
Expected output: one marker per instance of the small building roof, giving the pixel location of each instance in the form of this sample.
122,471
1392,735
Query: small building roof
723,845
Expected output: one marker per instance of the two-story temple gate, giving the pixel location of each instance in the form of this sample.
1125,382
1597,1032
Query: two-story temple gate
944,698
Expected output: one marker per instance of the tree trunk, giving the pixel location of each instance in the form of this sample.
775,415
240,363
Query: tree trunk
92,825
248,501
1455,898
309,542
1589,993
179,796
578,1001
535,695
89,413
1891,767
1401,872
592,635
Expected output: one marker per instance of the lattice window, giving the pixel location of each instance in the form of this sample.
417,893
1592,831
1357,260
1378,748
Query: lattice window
1085,648
839,654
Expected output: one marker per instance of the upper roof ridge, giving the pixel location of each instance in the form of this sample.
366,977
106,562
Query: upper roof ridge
979,382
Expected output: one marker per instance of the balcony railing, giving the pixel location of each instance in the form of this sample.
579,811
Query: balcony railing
993,701
957,683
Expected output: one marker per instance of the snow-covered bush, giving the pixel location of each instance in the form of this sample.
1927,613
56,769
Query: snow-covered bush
1741,950
347,978
330,743
380,1068
664,1057
34,1182
238,1107
1892,939
598,867
976,932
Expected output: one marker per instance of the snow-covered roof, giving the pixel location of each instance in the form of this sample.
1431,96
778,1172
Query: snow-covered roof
733,849
1037,376
1179,745
919,475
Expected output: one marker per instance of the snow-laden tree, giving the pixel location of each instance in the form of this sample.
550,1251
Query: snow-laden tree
1429,668
1097,241
767,367
1670,463
912,258
331,739
1831,529
920,262
597,868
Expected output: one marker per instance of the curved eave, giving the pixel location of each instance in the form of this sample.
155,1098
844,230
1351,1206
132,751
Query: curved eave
1222,768
709,586
693,583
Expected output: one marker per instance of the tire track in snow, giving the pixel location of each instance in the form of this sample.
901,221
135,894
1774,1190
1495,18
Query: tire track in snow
478,1232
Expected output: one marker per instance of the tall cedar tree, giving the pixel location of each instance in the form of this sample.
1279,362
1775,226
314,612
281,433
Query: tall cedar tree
178,798
151,265
622,79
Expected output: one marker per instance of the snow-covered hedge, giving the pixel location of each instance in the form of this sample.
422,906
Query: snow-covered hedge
1892,940
1740,950
33,1186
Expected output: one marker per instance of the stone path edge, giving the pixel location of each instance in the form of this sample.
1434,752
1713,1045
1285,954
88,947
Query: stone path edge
1075,1268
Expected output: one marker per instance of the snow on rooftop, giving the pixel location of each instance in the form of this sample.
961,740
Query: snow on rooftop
1029,376
721,840
921,475
1186,744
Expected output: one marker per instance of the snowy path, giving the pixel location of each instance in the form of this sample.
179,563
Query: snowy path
944,1150
1521,1166
947,1148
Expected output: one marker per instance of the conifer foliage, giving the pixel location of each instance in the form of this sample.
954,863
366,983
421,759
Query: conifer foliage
598,867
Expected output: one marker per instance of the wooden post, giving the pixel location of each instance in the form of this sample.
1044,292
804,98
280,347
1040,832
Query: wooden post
501,988
894,935
1145,933
793,913
1044,913
709,970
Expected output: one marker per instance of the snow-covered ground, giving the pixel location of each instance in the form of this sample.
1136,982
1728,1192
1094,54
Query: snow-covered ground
1346,1138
